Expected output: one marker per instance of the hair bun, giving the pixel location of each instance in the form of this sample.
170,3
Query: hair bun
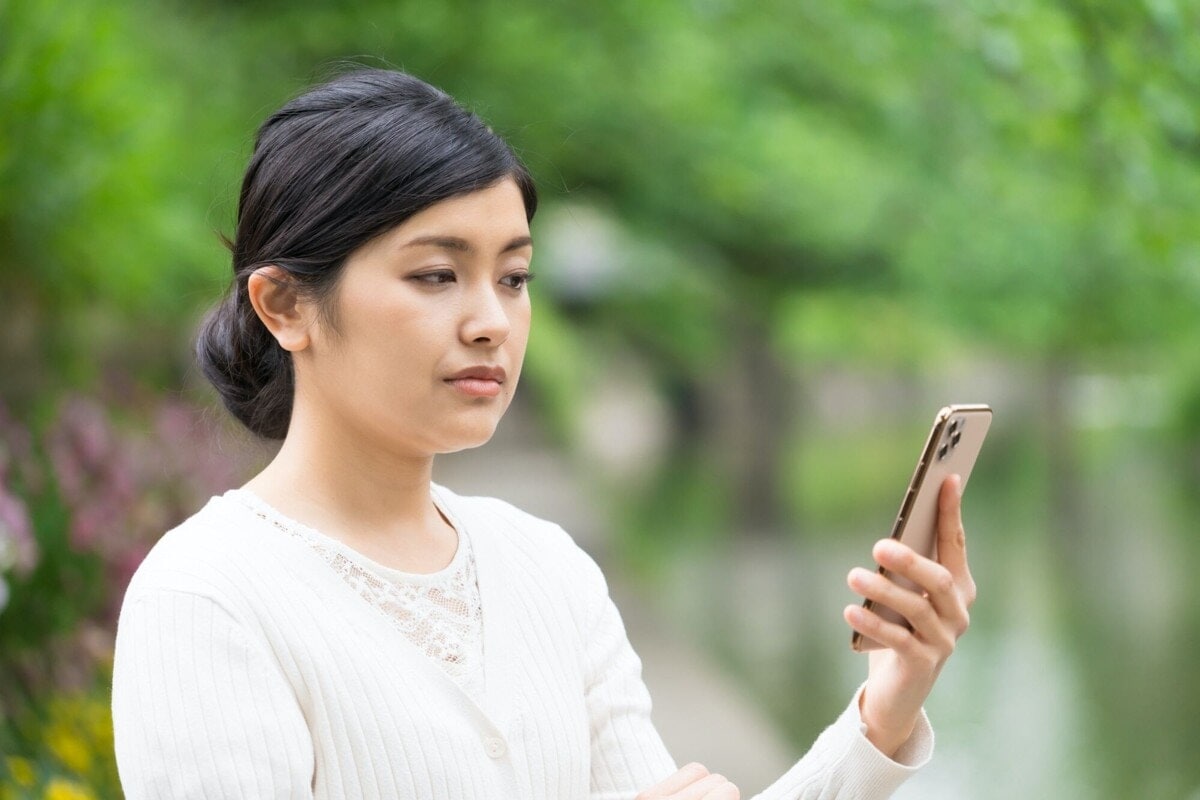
248,368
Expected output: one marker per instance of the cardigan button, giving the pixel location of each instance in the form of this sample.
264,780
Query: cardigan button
495,747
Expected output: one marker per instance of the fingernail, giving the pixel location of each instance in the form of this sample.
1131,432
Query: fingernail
888,547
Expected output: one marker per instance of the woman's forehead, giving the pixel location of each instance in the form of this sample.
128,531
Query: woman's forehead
492,218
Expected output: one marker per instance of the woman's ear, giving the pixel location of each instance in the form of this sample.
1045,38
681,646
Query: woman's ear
273,294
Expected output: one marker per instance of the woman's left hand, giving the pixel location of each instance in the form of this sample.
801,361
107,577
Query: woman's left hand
901,676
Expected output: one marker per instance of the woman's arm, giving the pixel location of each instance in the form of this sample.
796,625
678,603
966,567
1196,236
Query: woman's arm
627,754
629,759
900,677
200,709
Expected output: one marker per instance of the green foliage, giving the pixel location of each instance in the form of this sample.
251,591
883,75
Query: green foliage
556,361
848,476
1023,172
686,506
73,755
841,328
96,493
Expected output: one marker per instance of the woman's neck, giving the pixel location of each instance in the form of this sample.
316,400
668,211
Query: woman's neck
375,501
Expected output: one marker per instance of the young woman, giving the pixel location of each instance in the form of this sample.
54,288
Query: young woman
341,627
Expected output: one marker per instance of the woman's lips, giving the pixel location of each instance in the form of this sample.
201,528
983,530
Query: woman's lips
481,380
476,387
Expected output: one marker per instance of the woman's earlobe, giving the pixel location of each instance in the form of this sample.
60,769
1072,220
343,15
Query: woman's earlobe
273,295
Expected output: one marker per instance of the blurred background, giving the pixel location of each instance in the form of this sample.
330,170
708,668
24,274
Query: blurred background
775,238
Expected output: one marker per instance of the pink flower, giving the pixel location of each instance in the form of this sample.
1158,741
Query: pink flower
17,545
83,448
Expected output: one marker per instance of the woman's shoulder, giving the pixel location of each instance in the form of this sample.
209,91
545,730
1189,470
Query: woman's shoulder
219,550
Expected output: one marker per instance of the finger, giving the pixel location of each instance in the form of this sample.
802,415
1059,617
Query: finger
707,788
682,778
888,634
941,630
727,791
952,538
931,577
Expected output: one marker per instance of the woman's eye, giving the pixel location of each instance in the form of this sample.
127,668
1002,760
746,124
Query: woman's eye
437,277
517,280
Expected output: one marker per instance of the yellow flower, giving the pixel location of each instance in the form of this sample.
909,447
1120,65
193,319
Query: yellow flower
21,770
63,789
69,747
76,730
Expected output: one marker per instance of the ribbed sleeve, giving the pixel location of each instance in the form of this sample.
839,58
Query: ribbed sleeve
199,709
843,764
627,754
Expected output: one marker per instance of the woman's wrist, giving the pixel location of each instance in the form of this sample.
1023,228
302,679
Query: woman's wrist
887,738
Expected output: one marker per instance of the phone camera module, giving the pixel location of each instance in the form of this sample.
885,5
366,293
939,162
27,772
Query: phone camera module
954,432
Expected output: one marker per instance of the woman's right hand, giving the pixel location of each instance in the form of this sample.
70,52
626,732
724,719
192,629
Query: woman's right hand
692,782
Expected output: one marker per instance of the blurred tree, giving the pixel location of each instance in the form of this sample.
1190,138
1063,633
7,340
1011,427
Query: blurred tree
1021,172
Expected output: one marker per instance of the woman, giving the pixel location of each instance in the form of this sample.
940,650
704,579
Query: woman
342,627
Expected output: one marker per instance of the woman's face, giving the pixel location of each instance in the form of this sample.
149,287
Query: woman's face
431,322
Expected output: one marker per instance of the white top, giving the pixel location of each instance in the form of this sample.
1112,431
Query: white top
440,612
246,667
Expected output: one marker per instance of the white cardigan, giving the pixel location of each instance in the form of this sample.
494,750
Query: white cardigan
246,667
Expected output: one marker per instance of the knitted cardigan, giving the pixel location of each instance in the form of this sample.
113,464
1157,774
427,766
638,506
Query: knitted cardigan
246,667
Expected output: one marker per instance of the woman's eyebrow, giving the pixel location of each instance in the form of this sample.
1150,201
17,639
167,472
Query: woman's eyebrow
462,245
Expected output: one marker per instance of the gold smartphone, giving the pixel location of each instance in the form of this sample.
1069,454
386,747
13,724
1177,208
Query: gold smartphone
952,447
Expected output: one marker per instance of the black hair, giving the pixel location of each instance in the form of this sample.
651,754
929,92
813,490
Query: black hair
331,170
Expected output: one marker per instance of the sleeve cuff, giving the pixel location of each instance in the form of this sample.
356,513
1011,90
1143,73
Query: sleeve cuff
843,759
913,754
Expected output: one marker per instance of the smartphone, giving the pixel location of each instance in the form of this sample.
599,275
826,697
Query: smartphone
951,449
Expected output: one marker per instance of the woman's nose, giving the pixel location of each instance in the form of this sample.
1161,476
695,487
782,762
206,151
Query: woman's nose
485,320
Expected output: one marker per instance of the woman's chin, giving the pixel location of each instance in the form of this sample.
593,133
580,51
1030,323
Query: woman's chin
468,439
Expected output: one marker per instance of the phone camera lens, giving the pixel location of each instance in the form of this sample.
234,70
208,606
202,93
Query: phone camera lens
943,450
954,426
955,438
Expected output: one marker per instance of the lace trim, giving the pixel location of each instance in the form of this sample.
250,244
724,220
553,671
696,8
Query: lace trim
440,614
